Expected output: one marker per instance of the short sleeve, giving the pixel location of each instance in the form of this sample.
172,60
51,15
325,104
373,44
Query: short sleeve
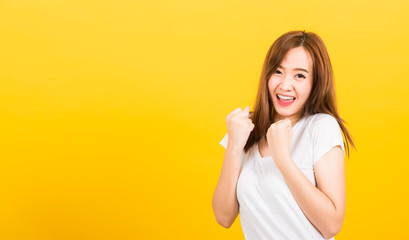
224,142
325,134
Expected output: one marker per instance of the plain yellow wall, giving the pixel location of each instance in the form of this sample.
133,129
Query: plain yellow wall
112,112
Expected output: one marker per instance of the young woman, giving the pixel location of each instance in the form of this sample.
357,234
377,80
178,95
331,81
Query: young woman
283,168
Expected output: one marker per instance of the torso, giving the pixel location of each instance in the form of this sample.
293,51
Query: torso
268,209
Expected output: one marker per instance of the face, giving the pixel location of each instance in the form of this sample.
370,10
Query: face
290,85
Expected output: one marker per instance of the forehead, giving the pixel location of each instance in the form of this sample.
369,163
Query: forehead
297,58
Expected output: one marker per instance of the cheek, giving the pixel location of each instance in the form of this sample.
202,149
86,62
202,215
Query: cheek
305,92
272,84
270,90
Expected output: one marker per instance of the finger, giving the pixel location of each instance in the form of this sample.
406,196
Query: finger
233,112
248,120
244,113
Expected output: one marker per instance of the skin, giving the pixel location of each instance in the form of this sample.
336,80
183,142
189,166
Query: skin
224,201
323,205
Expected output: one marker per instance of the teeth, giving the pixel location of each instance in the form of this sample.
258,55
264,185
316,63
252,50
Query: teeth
285,98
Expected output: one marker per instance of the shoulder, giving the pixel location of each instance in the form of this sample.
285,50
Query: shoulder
322,120
325,133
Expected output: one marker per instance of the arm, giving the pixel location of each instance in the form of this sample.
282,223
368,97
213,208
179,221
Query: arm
323,205
224,202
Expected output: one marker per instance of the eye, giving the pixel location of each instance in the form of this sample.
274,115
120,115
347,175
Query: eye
300,75
277,72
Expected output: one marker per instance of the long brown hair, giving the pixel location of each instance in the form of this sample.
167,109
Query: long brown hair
322,96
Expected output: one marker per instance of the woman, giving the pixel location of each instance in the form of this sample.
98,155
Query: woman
283,166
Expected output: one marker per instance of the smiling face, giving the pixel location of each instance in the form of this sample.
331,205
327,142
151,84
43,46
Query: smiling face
290,85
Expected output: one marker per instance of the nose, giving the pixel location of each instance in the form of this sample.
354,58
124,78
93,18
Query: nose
286,83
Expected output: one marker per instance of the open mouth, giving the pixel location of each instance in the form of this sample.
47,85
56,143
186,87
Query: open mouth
285,100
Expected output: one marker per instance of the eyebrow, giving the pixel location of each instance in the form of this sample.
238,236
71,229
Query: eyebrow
299,69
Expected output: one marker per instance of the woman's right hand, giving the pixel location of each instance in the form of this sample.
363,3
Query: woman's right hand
239,126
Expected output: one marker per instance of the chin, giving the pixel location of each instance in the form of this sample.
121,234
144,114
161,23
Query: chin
285,113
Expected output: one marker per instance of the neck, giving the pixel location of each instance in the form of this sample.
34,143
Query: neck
293,119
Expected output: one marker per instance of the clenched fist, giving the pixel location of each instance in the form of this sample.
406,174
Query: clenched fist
279,138
239,126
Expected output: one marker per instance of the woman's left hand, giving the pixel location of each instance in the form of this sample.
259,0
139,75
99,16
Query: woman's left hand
279,139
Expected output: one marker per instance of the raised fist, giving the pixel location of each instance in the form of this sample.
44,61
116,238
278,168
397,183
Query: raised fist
239,126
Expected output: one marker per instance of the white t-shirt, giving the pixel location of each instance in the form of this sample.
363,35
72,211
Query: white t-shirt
268,210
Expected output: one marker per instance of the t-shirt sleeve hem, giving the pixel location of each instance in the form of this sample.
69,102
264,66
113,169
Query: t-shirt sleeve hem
224,141
321,154
327,134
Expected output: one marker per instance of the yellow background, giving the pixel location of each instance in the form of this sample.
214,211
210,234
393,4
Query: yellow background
112,112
